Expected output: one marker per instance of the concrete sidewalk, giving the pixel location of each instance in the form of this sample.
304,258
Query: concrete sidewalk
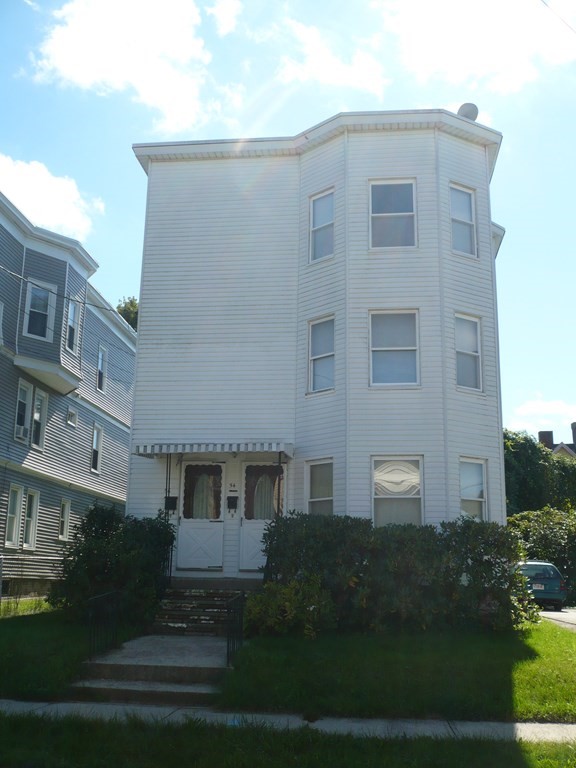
384,729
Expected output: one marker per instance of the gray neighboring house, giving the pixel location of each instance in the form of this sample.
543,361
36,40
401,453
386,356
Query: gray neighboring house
66,381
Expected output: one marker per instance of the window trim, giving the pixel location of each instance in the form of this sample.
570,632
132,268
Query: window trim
74,326
484,500
314,463
15,541
50,315
31,522
397,457
98,437
312,359
102,368
313,229
43,418
413,213
471,223
64,520
22,431
478,355
416,348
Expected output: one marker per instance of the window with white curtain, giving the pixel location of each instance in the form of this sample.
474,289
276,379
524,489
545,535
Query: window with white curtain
397,490
202,492
263,491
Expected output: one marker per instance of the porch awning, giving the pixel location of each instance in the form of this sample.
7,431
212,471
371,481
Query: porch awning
248,446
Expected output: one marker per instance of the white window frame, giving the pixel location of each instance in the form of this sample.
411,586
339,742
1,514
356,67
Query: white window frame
72,324
312,358
102,368
22,431
51,312
314,228
64,521
415,349
96,446
483,499
468,223
477,355
42,413
393,215
322,499
30,519
399,496
72,417
15,492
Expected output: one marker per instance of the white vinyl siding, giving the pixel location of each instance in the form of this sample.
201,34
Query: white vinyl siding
31,519
320,488
13,517
40,310
23,411
397,490
463,226
392,214
394,348
468,358
321,355
322,226
473,488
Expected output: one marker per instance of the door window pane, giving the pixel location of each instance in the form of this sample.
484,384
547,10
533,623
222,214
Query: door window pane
264,491
202,492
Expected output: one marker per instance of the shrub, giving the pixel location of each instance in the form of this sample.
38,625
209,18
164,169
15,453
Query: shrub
114,552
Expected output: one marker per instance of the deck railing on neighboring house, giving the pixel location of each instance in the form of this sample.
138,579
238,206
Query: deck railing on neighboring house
235,633
103,622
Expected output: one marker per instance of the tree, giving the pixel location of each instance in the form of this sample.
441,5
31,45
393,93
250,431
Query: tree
128,308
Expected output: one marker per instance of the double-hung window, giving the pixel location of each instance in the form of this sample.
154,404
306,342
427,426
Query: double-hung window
463,227
40,310
394,348
23,411
392,214
321,364
320,488
322,226
397,490
39,417
72,328
13,517
468,361
473,488
31,519
64,522
96,460
102,370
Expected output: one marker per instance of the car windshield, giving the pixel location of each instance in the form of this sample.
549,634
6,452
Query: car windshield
540,571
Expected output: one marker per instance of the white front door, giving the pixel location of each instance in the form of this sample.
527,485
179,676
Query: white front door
201,526
263,499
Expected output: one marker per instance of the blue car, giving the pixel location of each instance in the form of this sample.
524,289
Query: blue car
545,582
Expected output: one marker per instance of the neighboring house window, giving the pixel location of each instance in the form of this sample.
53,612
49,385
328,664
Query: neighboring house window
13,517
321,355
72,417
96,448
39,418
394,348
64,523
320,488
102,368
23,411
322,226
392,215
72,329
463,228
31,519
468,368
473,488
40,310
397,489
1,323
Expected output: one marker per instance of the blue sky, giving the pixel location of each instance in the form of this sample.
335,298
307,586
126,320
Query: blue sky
81,81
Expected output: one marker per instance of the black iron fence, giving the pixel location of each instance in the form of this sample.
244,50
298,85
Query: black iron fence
103,622
235,634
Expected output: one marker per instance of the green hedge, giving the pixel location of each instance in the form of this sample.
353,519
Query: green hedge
341,571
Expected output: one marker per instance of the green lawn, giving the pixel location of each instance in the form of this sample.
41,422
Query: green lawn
528,675
30,742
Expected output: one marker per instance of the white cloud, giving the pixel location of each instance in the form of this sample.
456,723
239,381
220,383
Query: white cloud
226,13
502,45
538,415
320,64
52,202
152,51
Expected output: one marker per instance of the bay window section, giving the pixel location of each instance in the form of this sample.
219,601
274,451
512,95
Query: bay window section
40,310
39,418
15,497
473,488
320,488
397,491
468,361
392,215
463,227
321,362
322,227
23,411
96,460
394,348
72,329
31,519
